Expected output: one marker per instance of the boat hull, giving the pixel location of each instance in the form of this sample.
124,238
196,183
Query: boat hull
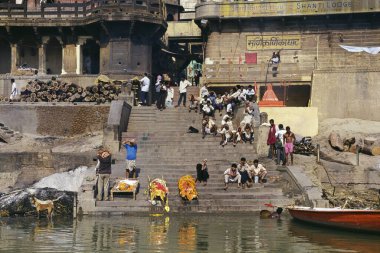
364,220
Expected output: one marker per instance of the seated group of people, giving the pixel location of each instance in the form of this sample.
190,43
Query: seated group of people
209,102
243,133
245,173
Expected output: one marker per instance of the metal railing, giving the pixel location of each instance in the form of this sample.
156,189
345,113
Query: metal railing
82,9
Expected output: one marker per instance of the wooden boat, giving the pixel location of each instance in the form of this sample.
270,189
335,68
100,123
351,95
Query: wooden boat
354,219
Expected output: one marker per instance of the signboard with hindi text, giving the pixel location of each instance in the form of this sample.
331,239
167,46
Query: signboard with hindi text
262,42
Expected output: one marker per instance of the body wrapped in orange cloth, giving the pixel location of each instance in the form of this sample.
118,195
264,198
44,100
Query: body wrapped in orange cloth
187,188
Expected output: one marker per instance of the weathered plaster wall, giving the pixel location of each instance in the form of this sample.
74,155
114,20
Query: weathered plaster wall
62,119
352,94
302,120
22,169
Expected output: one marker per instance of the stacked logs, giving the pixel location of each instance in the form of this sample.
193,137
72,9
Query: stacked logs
58,91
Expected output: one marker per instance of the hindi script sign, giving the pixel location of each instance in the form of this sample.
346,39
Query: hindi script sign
255,42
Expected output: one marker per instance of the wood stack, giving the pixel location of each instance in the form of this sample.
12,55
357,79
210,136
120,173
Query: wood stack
58,91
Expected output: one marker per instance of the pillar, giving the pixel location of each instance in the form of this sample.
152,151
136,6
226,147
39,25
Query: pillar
42,59
14,58
69,62
79,58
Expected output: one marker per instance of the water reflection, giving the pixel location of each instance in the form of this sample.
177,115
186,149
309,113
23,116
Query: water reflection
192,233
187,236
159,227
338,239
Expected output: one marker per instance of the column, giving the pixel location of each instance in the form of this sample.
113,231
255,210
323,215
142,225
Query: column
14,58
79,58
69,62
42,59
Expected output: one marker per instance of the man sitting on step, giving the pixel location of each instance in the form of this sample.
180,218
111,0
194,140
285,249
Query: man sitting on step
258,172
232,175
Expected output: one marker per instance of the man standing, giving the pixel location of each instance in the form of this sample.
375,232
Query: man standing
145,84
183,84
289,139
204,91
280,144
157,89
271,141
232,175
131,148
103,171
15,91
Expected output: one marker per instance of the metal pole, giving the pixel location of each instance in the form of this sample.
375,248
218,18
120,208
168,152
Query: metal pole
318,153
357,156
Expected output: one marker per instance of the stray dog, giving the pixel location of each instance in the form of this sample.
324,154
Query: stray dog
42,205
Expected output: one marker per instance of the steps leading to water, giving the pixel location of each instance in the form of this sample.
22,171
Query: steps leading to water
166,151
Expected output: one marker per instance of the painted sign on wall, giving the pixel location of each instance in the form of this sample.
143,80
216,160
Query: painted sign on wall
257,42
293,8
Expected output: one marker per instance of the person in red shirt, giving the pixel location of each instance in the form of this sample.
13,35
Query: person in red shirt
271,141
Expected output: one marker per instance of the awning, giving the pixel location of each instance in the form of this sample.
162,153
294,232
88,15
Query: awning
353,49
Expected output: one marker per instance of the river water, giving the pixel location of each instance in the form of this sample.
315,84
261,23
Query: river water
196,233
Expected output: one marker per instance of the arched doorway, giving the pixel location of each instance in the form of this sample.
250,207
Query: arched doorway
28,54
91,52
5,52
53,57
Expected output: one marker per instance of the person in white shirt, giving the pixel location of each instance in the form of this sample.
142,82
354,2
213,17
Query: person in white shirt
280,144
226,134
170,96
208,127
232,175
243,169
258,172
183,84
157,90
208,109
145,85
15,91
250,94
204,90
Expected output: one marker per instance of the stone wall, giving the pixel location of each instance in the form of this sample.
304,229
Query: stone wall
302,120
225,59
349,94
354,177
61,119
22,169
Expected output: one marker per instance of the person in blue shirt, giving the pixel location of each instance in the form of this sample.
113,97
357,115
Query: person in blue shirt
131,148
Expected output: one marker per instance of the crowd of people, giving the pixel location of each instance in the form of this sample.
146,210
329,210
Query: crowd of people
281,143
209,103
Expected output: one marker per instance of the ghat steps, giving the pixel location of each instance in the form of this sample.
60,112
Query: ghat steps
166,150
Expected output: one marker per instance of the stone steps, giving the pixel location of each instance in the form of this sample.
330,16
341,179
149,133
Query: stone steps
166,151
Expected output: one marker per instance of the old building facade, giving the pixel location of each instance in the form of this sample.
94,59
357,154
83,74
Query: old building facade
80,37
242,36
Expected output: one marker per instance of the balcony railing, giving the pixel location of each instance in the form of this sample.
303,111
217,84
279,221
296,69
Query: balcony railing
78,10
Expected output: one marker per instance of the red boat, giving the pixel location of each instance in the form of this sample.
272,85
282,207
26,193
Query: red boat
354,219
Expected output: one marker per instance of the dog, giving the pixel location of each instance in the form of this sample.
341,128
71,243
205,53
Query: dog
42,205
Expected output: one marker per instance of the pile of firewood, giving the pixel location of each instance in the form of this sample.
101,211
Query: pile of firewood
304,146
58,91
367,145
351,199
